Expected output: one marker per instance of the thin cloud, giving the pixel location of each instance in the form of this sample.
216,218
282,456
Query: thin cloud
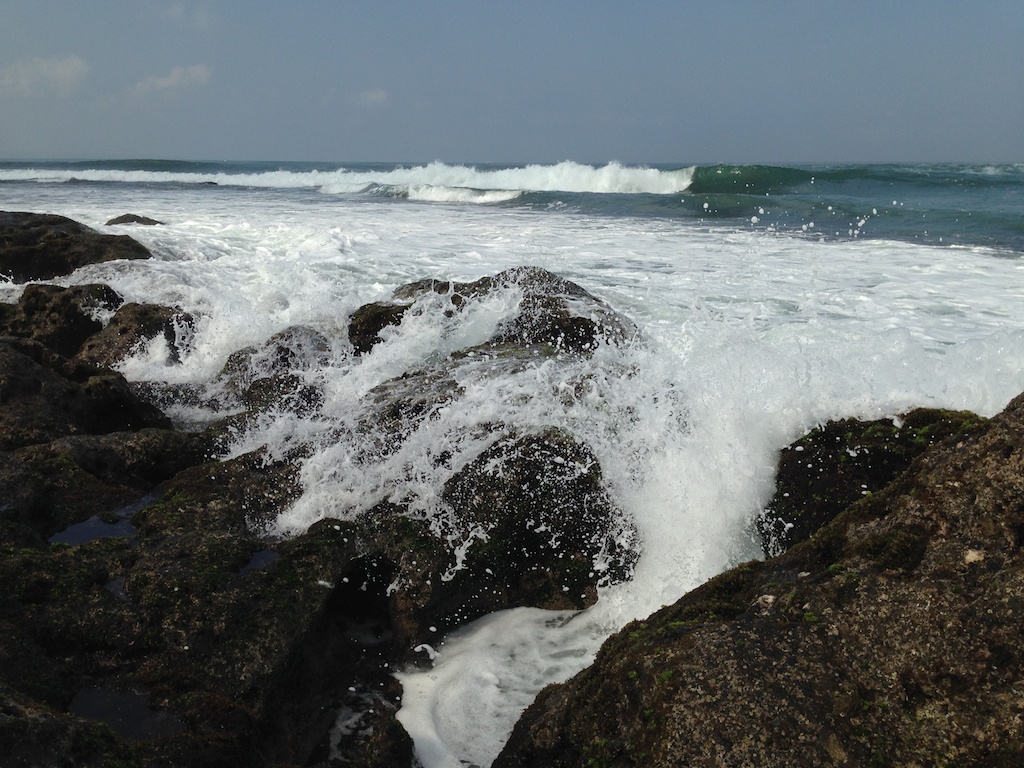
38,76
374,98
176,79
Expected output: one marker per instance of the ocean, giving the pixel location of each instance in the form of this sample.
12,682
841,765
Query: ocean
769,299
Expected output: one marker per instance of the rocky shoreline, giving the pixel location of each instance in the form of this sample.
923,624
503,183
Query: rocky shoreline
146,619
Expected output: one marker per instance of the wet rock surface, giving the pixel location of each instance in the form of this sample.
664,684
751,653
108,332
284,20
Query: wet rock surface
888,637
185,633
531,525
553,312
59,318
133,218
44,396
148,616
134,325
37,246
834,465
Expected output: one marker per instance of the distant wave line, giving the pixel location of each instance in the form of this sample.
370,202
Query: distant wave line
421,182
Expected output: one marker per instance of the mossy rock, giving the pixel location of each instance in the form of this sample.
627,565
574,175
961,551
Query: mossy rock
294,350
548,531
134,325
43,396
36,246
369,320
51,486
528,523
133,218
32,735
553,311
887,637
62,319
843,461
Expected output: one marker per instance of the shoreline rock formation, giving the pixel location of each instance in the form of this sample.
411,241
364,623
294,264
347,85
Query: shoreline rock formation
145,619
891,636
37,246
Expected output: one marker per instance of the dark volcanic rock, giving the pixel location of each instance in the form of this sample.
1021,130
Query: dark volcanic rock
889,637
294,349
34,735
197,638
191,639
532,524
47,487
133,218
43,397
395,408
285,392
829,468
280,374
133,325
553,312
59,318
547,528
558,312
240,656
369,320
36,246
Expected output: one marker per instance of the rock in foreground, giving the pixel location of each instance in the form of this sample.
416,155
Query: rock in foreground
832,466
36,246
890,637
553,312
145,617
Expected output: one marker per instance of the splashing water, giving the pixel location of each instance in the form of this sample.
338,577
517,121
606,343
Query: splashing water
748,338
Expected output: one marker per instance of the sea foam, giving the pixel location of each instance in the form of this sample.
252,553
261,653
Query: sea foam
748,339
418,180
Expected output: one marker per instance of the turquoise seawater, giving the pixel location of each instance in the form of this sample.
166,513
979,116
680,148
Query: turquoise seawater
949,204
768,298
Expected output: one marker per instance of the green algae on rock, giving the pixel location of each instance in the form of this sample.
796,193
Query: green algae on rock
890,636
832,466
37,246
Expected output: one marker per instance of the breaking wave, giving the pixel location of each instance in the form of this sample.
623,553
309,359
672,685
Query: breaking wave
432,181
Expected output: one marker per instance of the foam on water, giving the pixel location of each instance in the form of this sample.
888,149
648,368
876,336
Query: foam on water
437,194
419,180
748,340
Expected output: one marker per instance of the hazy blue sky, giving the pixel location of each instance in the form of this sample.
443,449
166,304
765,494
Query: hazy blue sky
672,81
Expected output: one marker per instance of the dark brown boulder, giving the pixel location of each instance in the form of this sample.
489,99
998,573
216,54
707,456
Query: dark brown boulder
234,647
47,487
133,218
548,530
231,648
251,641
369,320
44,397
529,523
59,318
133,325
395,408
283,392
830,467
890,637
295,348
36,246
553,313
33,735
559,313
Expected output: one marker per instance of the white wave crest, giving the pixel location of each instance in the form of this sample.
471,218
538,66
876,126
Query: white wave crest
433,181
436,194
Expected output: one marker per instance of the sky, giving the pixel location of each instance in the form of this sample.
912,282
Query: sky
804,81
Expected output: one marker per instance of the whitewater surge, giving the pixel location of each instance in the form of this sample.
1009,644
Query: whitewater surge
748,338
417,179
